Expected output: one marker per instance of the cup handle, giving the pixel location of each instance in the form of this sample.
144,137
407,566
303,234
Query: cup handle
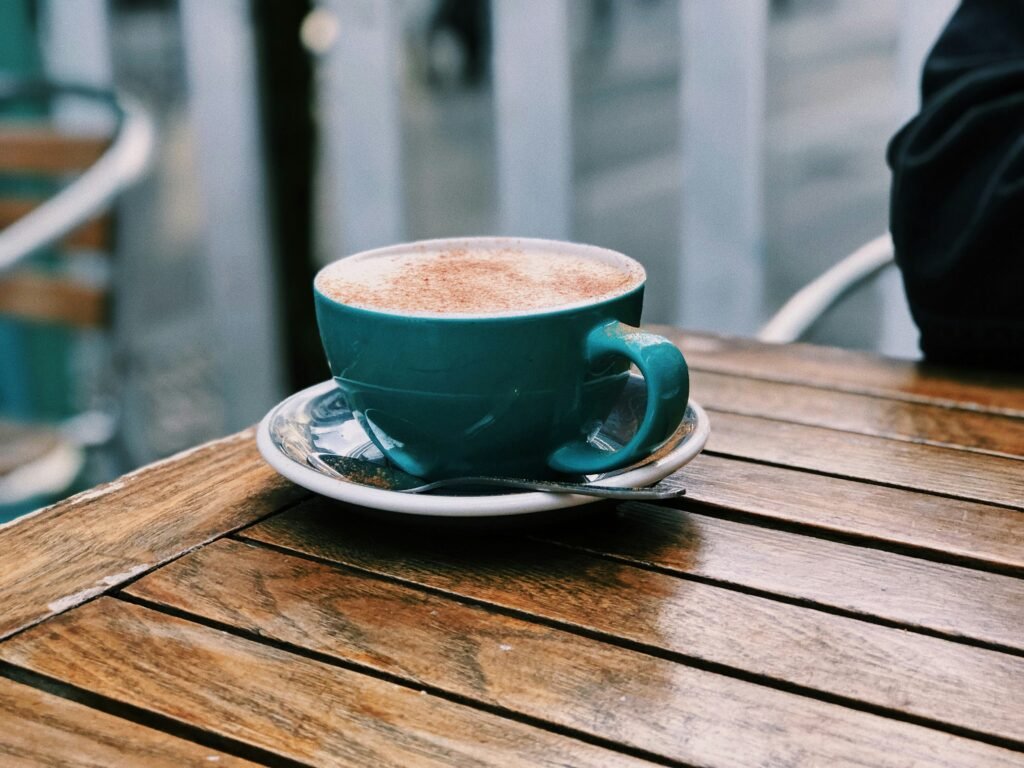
668,388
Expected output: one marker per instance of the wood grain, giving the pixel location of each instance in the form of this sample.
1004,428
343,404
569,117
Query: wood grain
959,474
948,599
42,729
836,655
976,533
680,713
92,542
40,150
286,704
93,235
852,371
864,414
46,299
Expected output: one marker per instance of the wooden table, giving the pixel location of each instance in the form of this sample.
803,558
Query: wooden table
843,585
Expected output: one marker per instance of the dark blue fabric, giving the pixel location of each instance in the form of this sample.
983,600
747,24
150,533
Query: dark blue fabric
957,207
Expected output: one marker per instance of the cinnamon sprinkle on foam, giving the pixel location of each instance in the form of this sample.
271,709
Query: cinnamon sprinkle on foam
462,281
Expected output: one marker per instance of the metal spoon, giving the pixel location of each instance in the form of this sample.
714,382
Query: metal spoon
365,472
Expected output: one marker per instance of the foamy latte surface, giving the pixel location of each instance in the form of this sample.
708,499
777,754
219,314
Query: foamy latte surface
472,281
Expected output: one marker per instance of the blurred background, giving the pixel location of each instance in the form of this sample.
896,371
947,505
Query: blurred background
735,147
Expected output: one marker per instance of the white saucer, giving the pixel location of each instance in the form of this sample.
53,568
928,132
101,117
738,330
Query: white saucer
318,420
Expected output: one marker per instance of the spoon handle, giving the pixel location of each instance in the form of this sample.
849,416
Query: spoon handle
555,486
387,478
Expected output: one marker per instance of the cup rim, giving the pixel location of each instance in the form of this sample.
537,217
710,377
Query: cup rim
490,241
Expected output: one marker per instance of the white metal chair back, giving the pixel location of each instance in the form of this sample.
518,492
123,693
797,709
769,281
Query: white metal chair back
122,164
49,471
811,302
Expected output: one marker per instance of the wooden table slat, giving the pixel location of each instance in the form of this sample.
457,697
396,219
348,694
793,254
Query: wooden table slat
37,728
863,414
847,370
288,705
959,474
835,655
92,542
946,599
679,712
949,528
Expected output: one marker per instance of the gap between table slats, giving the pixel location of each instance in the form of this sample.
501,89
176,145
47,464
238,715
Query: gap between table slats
942,471
829,655
938,599
86,545
696,716
922,524
852,371
285,705
40,728
923,423
492,658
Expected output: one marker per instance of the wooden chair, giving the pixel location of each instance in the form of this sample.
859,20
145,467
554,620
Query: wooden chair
43,239
26,291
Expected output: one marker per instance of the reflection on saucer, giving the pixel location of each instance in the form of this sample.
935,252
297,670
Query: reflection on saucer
319,421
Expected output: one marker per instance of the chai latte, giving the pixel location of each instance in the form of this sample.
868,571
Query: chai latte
470,281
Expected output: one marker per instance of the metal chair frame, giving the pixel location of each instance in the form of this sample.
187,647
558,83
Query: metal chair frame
811,302
123,163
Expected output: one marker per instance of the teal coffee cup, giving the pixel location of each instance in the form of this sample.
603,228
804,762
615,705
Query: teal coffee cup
509,391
